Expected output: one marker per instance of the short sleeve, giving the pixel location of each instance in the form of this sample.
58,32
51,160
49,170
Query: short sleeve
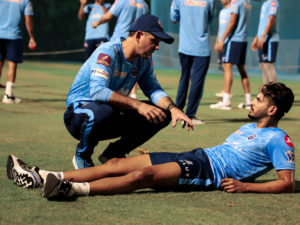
281,152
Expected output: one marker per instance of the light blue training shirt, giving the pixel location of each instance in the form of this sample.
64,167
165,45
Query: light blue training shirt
251,152
224,18
95,12
269,8
107,70
127,12
11,14
242,8
194,17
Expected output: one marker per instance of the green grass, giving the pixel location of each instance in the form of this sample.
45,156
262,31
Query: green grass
35,132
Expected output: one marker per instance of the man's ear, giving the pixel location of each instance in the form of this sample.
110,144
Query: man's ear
138,36
272,110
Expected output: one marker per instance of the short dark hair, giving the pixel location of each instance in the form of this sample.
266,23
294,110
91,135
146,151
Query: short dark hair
280,95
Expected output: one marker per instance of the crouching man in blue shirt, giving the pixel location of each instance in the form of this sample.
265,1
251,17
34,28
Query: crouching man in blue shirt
98,106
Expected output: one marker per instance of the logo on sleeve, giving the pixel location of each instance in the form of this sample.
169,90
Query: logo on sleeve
100,73
104,59
251,137
273,3
291,157
288,141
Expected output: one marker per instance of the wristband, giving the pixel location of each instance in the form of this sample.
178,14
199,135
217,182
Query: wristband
170,106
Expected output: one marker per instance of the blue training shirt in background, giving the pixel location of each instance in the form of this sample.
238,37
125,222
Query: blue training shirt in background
11,15
126,11
242,8
95,12
250,152
269,8
107,70
194,16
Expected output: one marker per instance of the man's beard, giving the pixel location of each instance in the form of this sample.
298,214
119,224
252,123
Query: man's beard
252,117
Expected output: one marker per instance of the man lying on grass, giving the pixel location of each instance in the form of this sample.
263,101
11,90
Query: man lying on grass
246,154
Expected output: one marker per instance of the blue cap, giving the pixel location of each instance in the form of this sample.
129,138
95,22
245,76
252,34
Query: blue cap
153,25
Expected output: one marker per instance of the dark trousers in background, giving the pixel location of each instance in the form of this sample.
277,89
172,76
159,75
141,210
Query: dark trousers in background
93,122
193,68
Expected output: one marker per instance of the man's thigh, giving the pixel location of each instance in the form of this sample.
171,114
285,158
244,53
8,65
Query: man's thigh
235,52
268,53
15,50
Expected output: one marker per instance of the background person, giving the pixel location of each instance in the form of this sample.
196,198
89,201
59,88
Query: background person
127,11
194,51
93,36
266,40
224,17
11,46
233,45
246,154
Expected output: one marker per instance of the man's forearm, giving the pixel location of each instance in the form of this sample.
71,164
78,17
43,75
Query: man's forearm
29,26
230,26
276,186
123,102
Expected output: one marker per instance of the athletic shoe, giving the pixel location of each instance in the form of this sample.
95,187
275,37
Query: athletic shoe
196,121
24,175
244,106
55,187
220,105
221,94
80,163
10,99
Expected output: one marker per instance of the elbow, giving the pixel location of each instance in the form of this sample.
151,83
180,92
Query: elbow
289,187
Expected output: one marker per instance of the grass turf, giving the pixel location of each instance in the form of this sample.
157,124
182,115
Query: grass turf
34,131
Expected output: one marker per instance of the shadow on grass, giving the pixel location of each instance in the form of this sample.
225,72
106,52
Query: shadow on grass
244,120
63,199
43,100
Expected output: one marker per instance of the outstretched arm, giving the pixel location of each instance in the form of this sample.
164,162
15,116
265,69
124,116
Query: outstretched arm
268,28
231,24
284,184
29,28
106,17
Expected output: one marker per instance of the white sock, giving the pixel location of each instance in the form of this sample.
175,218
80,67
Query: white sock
226,98
81,188
44,174
9,88
248,98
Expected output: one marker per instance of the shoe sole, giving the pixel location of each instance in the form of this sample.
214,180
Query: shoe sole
221,108
51,186
75,163
22,176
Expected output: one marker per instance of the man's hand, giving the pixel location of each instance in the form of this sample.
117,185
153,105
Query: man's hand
231,185
152,113
254,44
31,44
219,46
260,42
95,24
178,115
83,2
